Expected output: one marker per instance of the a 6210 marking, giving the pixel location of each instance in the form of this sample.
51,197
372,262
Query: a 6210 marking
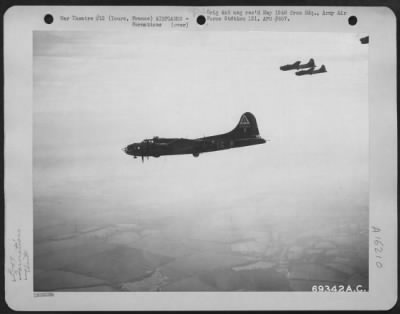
378,246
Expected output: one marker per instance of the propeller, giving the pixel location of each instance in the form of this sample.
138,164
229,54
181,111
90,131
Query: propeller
145,149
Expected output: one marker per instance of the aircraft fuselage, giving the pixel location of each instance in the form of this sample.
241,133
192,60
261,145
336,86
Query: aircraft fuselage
245,134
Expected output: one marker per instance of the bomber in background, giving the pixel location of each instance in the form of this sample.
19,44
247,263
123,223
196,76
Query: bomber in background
304,69
311,71
297,65
244,134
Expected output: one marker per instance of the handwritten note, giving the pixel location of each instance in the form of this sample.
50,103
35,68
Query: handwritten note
18,260
378,245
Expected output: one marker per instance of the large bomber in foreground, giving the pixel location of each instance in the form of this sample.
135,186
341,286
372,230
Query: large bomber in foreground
244,134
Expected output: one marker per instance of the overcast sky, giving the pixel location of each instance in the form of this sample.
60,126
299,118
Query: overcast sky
96,92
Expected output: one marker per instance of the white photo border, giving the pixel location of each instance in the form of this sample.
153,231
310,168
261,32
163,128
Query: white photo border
378,22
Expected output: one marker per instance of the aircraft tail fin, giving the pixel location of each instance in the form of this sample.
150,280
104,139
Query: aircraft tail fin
247,126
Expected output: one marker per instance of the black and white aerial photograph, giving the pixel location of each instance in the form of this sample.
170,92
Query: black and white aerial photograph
200,161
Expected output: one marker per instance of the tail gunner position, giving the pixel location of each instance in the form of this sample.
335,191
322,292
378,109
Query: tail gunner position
244,134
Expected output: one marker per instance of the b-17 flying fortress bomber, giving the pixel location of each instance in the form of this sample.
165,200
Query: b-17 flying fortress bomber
311,71
244,134
303,69
297,65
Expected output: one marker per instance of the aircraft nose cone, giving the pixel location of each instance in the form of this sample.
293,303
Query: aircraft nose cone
126,150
